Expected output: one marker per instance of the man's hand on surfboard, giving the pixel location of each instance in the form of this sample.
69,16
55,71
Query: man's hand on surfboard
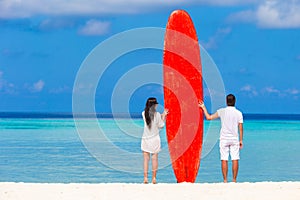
201,104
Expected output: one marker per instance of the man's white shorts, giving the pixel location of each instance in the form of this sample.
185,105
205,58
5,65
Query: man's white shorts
229,146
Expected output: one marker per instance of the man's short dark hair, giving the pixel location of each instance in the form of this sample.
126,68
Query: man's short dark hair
230,100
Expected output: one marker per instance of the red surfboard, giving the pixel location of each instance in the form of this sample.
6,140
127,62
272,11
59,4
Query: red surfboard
182,73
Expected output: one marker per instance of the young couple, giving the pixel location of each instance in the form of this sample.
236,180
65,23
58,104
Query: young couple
231,135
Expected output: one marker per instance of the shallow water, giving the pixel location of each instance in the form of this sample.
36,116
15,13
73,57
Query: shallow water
51,150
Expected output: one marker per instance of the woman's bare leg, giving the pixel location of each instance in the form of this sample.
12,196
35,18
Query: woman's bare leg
154,167
146,163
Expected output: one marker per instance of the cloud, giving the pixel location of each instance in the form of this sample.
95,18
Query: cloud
249,90
29,8
246,16
60,90
293,91
271,14
213,41
84,88
228,2
56,23
12,53
36,87
5,86
2,82
271,90
94,27
245,71
209,92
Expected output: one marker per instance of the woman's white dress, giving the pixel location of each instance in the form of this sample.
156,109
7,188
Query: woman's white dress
151,139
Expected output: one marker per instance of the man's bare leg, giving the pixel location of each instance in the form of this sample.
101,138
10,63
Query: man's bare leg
235,169
146,163
224,170
154,167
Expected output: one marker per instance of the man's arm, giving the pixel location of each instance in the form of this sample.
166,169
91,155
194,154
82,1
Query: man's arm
241,134
207,115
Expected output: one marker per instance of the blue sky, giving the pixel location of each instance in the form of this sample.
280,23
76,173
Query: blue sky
254,43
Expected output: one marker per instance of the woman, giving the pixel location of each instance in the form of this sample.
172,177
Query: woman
153,122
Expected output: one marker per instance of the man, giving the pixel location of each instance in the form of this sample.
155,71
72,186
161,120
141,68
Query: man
230,141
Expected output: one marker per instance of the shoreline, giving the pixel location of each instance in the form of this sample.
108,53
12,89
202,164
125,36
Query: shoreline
133,115
91,191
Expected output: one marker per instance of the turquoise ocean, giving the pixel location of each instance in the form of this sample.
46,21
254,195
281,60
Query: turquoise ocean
47,148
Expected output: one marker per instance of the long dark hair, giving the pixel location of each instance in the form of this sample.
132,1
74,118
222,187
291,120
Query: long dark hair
150,110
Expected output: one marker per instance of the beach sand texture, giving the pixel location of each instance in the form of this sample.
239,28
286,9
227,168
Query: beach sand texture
182,191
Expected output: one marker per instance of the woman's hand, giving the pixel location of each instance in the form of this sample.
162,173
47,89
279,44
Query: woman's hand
166,112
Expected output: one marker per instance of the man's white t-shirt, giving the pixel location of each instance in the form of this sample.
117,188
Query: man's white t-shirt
230,119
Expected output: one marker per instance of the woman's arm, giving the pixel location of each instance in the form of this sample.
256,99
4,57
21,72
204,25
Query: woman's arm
161,118
207,115
164,114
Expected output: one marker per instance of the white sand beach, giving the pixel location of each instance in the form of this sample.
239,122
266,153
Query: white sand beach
114,191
